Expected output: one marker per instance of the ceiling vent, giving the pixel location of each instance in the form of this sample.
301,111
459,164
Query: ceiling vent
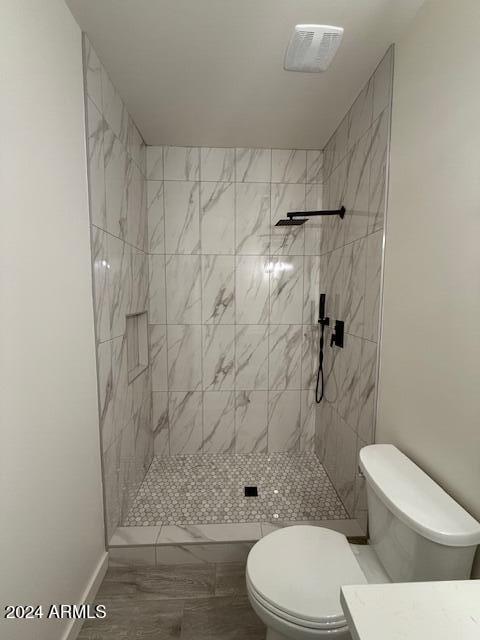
312,47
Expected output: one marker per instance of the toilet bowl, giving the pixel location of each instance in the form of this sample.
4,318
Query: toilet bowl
294,577
417,533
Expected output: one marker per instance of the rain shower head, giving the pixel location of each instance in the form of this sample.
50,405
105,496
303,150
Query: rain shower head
290,222
296,218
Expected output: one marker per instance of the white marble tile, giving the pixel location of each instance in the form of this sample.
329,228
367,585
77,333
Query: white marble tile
336,189
114,110
96,167
341,137
182,217
120,283
251,419
154,163
105,394
346,468
111,481
310,349
116,167
354,257
307,421
311,288
160,423
357,190
157,309
360,114
136,220
217,216
285,356
93,73
314,166
328,440
382,84
348,527
366,392
122,392
251,357
218,285
287,240
253,165
286,289
158,356
289,165
329,157
373,285
335,300
323,418
181,163
348,367
139,266
185,412
218,422
217,164
197,533
134,536
252,290
184,357
183,289
156,217
101,272
252,218
284,420
200,553
378,172
135,145
315,227
218,357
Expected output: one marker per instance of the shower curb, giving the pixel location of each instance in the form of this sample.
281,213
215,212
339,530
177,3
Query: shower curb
208,543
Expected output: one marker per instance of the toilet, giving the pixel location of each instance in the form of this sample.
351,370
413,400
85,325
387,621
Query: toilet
417,533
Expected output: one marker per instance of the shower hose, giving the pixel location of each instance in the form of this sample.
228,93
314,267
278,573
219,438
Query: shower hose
320,380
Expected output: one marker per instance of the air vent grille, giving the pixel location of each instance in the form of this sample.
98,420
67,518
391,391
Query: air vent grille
312,47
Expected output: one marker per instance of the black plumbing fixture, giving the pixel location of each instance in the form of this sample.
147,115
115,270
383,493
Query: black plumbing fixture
292,216
323,321
338,334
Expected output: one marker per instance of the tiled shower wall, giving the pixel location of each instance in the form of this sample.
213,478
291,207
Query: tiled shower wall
118,216
233,299
355,169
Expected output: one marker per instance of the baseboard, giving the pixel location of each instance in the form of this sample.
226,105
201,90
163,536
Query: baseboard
88,597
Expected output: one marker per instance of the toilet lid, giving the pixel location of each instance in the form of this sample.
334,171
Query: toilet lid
299,571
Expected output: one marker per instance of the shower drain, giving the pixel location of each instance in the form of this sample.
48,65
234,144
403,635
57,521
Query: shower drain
251,492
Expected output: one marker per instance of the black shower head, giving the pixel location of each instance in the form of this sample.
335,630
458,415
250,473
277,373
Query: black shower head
296,218
290,222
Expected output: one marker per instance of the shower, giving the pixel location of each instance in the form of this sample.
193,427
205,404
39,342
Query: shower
296,218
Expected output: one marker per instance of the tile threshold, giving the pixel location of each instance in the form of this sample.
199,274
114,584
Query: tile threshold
147,536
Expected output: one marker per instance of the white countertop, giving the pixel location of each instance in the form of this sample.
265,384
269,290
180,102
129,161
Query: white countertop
414,610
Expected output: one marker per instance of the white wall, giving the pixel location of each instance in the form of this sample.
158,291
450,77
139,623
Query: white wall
51,529
429,395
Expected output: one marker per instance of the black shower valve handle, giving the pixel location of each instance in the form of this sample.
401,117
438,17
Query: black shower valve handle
338,334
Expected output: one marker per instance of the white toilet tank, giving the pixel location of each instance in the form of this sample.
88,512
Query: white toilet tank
417,530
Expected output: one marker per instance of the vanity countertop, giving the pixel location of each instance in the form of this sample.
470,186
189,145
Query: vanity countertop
414,610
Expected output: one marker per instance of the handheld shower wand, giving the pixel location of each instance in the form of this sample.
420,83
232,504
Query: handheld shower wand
323,322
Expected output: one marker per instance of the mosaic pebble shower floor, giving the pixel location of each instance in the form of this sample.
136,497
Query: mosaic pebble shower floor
209,489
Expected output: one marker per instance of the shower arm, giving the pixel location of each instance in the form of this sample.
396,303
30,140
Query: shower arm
309,214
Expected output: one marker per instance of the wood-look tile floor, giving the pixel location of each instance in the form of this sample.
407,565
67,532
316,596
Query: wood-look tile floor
185,602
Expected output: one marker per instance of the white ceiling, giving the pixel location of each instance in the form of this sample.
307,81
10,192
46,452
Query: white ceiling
210,72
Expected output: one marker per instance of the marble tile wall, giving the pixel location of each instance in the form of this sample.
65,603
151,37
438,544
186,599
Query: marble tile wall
233,299
355,169
118,216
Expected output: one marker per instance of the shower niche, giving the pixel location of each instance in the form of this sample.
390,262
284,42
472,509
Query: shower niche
137,345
